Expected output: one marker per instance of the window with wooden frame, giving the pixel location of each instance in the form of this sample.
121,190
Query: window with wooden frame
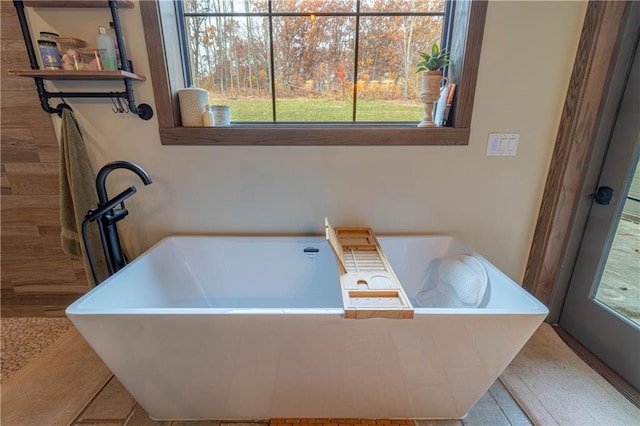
170,68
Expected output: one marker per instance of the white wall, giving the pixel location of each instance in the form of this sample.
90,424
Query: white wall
489,202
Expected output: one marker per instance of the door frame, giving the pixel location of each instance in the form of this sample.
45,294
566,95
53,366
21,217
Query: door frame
586,121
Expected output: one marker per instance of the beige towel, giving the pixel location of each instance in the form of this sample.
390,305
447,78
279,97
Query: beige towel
77,196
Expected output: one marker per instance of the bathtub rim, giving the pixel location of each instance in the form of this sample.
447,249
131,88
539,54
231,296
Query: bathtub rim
480,312
75,308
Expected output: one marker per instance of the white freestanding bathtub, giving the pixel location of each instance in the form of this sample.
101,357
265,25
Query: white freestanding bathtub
253,328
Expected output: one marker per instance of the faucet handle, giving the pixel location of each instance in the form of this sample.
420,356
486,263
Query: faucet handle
103,208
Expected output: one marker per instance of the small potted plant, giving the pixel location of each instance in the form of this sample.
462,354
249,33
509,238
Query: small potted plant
430,66
433,61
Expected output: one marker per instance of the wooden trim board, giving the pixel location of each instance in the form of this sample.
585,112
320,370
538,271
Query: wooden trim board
590,79
370,287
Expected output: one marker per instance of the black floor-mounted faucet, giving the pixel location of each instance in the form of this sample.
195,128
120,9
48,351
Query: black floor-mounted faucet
107,216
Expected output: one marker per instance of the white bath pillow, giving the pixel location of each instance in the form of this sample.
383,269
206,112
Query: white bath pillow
461,282
466,276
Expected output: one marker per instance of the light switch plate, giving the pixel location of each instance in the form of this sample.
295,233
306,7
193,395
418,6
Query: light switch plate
503,144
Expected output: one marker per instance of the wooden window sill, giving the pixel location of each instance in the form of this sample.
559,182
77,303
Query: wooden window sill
320,135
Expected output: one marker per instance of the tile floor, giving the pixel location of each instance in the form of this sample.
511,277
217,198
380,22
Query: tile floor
114,406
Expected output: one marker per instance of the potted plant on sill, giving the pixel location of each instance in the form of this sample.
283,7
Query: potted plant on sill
431,65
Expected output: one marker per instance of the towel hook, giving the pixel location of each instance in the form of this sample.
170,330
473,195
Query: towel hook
116,99
125,105
121,105
115,108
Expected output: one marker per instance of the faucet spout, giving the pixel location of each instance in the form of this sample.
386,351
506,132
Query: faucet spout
101,178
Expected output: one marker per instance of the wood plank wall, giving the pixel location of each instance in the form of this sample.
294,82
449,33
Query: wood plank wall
37,278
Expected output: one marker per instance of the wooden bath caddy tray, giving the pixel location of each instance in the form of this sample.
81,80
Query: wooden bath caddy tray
370,288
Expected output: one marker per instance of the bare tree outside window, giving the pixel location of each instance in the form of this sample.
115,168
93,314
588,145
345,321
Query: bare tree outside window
312,60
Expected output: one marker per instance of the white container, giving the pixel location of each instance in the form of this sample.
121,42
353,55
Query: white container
220,115
208,117
107,50
193,102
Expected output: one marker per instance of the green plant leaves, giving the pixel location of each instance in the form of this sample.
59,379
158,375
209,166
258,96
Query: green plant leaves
434,60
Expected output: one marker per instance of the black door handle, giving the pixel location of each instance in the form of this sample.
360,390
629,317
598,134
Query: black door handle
603,196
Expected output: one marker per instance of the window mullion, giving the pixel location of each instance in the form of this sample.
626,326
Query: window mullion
272,65
355,62
184,45
447,30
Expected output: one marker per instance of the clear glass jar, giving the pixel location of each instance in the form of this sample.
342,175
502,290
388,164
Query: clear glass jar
72,60
49,54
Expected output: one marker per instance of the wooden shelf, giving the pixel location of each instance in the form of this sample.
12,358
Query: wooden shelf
77,75
77,3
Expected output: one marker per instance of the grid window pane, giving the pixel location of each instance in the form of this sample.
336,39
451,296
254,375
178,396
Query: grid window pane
313,6
388,85
230,58
401,6
225,6
314,68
